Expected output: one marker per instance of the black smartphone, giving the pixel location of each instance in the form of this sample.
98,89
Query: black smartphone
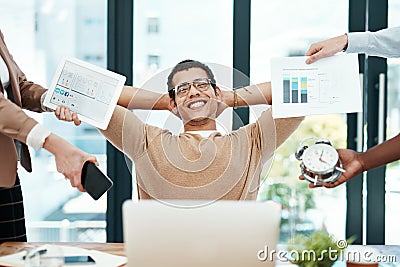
78,260
94,181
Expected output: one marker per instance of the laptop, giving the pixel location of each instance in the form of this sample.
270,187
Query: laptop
181,234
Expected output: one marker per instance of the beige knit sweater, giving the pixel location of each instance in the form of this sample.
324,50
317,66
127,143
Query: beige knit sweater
189,166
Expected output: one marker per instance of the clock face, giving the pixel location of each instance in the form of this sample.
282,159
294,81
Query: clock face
320,158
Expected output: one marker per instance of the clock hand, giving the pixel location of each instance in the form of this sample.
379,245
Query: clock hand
320,156
320,159
337,168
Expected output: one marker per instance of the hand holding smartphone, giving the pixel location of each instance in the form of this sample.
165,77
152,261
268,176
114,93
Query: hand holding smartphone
94,181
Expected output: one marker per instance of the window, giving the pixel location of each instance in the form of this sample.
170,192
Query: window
287,28
392,198
153,25
54,210
183,36
153,62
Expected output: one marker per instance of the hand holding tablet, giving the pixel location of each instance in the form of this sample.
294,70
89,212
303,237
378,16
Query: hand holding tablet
90,91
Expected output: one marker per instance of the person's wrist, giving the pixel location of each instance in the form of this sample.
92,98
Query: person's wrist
51,144
345,42
48,141
362,162
55,144
227,98
235,100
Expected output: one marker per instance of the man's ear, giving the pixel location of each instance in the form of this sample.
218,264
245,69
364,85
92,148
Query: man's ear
173,107
218,93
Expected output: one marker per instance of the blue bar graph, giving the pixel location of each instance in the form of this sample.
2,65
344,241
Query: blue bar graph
303,86
295,90
286,90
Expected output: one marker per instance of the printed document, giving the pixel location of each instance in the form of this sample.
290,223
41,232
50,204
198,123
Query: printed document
330,85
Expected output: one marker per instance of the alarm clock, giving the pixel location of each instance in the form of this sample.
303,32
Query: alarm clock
320,162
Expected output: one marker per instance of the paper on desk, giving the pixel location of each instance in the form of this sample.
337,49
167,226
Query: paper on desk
330,85
102,259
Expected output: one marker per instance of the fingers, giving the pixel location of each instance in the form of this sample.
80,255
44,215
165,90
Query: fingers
335,184
314,185
314,48
65,114
62,113
75,118
93,159
327,185
80,188
314,57
75,181
316,52
57,112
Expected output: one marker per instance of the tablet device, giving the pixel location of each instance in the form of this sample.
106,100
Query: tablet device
94,181
87,89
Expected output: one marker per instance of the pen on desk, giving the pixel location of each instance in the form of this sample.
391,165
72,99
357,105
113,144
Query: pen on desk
39,252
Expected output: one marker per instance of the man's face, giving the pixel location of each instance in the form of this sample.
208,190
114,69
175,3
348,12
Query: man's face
195,98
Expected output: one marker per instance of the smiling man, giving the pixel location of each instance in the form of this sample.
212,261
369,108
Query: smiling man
199,163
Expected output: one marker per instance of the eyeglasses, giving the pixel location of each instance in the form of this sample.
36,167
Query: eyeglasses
201,84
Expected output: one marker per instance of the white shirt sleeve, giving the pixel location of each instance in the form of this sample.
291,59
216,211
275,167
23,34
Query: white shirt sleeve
44,108
37,136
383,43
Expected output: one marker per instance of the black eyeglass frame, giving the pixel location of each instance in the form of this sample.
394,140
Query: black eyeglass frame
172,91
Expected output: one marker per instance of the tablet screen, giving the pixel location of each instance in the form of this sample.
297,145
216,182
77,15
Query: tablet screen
89,90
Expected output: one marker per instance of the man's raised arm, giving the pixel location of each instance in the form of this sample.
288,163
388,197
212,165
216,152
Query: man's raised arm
262,94
135,98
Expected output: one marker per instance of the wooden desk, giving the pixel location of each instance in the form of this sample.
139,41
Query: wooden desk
118,249
14,247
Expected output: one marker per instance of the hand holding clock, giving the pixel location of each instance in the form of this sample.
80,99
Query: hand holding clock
351,162
321,163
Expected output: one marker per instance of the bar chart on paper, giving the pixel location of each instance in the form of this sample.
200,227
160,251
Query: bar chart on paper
306,87
291,90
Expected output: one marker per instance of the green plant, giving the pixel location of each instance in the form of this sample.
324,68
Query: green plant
317,250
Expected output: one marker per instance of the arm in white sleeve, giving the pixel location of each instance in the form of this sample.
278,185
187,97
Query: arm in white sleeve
383,43
37,136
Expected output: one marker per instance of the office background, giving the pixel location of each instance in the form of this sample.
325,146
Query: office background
139,38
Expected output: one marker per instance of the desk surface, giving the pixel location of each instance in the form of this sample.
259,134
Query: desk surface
118,249
14,247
